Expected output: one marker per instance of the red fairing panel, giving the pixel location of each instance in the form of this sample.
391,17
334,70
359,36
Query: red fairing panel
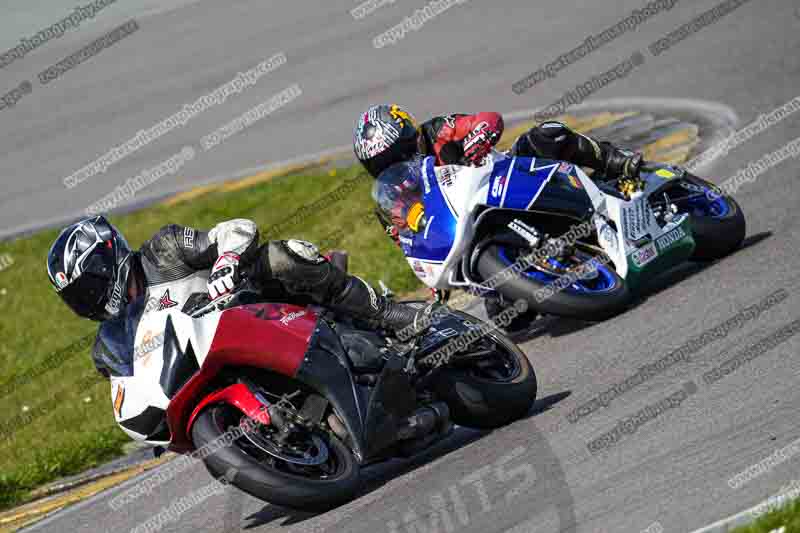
237,395
270,336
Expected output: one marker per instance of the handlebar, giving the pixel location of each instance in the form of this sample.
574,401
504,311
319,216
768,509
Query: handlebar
242,294
210,306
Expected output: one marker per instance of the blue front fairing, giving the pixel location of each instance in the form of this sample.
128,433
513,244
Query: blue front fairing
434,244
514,183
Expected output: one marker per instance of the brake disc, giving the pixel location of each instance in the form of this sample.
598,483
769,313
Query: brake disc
264,444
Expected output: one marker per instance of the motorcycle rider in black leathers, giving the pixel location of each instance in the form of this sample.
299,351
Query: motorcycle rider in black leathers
388,134
99,277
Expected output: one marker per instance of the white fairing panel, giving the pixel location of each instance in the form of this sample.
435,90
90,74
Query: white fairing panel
463,188
132,395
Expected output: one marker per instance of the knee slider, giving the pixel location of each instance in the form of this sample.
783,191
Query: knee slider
543,140
303,270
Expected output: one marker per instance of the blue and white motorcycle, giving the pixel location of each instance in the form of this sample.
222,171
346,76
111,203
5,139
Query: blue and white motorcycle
544,231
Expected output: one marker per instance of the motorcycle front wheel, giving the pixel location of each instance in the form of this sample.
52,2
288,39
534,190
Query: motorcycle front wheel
602,294
313,471
718,224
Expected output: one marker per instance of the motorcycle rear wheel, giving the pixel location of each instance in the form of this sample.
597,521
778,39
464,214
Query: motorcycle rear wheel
492,395
271,479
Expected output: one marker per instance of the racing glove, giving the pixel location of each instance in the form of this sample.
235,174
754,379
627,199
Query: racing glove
480,141
623,164
224,275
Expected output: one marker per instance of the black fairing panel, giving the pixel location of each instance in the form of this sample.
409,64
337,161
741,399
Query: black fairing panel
326,369
179,366
150,422
559,196
392,401
371,416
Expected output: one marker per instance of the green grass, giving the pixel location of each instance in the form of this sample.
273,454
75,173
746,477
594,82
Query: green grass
787,516
68,425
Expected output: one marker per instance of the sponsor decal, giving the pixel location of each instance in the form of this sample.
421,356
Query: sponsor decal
61,281
116,299
499,186
165,302
644,255
445,333
119,399
667,240
565,168
291,316
408,241
664,173
188,237
419,269
450,120
608,235
445,175
634,220
692,187
150,343
575,182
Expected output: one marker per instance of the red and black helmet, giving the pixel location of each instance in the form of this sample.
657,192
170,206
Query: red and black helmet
88,265
384,135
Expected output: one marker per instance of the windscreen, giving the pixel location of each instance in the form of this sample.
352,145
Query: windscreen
396,189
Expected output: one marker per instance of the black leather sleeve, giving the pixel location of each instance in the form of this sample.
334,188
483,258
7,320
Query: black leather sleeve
112,352
175,246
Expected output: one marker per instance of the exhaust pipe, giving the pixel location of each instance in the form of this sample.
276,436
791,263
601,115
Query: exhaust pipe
424,421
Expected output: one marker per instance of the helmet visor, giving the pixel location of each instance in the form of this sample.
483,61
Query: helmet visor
88,296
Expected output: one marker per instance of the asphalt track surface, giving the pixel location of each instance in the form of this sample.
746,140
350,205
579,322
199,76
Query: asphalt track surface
672,470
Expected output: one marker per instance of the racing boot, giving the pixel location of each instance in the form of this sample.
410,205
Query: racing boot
360,300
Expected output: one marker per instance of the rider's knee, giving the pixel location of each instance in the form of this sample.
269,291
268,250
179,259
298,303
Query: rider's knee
545,140
303,270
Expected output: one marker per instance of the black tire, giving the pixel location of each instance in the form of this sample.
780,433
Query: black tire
272,485
521,322
597,306
717,237
478,401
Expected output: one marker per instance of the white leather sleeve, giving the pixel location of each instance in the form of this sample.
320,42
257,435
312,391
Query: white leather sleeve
234,235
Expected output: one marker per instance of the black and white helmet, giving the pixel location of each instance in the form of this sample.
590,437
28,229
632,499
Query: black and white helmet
384,135
88,266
